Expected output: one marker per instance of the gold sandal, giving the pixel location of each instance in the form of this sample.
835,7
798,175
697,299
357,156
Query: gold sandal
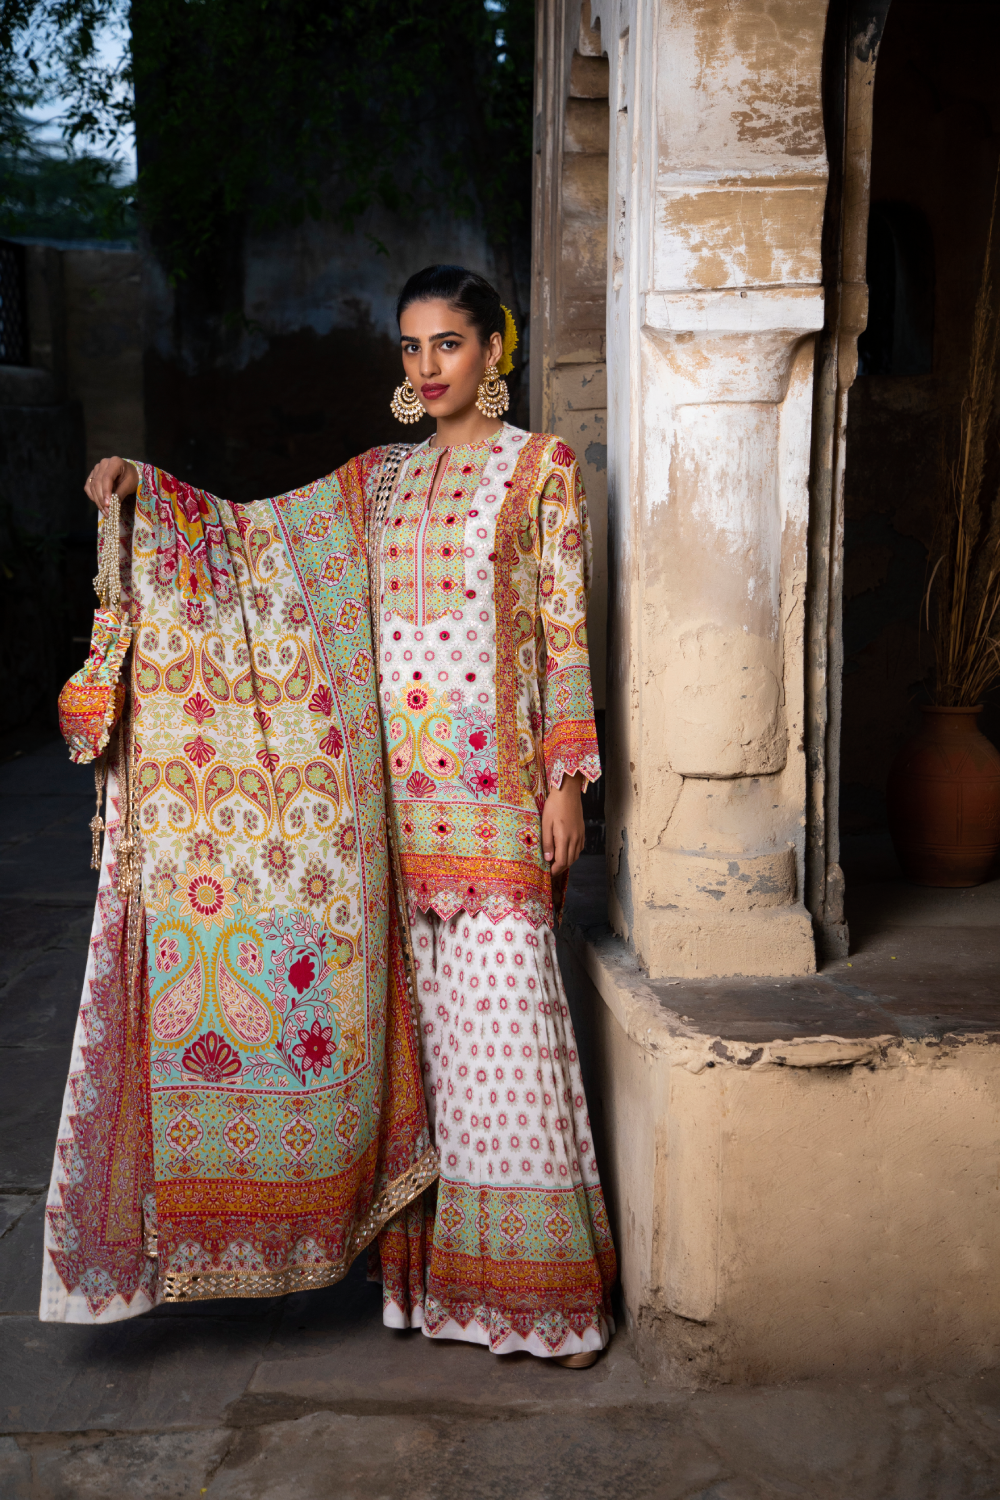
581,1361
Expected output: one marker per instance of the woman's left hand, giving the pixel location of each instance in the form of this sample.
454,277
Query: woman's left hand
563,833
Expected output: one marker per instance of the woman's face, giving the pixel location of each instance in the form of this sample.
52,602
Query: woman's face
443,356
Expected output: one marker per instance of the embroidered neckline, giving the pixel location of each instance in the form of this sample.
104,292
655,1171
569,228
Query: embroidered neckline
489,442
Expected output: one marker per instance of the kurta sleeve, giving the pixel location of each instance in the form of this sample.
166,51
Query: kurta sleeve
569,735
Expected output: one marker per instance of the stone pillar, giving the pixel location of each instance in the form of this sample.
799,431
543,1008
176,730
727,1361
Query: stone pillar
717,185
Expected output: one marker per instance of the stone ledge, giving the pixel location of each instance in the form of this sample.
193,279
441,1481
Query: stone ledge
816,1021
800,1173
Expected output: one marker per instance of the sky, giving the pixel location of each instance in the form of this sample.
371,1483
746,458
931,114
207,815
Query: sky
108,46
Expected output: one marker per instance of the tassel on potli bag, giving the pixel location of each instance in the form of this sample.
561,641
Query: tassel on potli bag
91,703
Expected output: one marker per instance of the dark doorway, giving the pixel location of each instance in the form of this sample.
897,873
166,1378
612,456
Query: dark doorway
934,154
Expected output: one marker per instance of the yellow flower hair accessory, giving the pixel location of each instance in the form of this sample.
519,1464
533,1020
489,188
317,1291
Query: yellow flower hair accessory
506,363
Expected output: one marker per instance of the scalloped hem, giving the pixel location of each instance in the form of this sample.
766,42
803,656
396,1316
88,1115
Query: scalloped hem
589,766
447,906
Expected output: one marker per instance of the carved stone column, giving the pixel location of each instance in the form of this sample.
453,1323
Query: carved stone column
718,180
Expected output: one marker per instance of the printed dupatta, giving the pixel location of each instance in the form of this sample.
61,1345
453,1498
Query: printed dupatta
244,1110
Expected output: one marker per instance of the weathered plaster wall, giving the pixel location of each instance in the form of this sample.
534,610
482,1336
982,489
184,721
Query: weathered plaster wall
934,150
569,378
813,1208
281,366
718,183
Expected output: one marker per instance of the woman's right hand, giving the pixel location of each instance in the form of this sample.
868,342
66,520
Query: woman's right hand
111,476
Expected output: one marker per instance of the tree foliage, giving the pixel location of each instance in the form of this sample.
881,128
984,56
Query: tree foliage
261,112
63,195
50,55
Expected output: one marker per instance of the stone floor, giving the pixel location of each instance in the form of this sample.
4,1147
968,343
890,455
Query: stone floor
308,1396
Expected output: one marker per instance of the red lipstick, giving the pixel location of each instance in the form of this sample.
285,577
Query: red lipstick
432,392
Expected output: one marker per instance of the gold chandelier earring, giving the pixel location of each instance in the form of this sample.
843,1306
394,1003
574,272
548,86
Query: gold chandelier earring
492,397
406,405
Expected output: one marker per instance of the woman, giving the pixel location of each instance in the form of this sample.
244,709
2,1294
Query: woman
480,557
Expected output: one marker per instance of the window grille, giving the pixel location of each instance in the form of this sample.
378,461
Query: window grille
13,306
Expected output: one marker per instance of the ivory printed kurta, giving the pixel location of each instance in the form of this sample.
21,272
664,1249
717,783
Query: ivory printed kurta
483,665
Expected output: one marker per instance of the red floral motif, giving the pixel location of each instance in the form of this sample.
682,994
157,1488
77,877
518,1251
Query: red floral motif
294,613
316,1047
263,719
321,701
316,886
563,455
302,973
268,759
419,785
416,699
199,751
346,840
199,709
278,859
478,739
486,783
195,613
203,846
211,1058
207,894
332,742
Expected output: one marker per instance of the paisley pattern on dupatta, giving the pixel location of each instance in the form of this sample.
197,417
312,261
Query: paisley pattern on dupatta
283,1121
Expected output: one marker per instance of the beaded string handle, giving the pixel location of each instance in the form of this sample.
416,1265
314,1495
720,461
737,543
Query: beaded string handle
108,583
388,475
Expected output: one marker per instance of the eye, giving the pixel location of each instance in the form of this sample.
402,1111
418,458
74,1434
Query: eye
411,348
449,343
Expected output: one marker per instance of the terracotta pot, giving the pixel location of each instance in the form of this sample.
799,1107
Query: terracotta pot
943,799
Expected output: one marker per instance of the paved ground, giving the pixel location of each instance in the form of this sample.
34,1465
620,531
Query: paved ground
307,1397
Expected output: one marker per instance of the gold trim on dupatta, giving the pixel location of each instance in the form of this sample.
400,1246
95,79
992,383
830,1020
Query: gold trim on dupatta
198,1286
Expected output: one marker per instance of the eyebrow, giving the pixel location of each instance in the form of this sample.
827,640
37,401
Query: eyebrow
450,334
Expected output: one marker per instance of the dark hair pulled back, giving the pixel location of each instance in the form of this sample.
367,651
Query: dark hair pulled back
465,290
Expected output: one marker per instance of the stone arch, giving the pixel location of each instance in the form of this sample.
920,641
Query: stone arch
853,34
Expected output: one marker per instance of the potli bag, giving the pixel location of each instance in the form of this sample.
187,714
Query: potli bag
91,703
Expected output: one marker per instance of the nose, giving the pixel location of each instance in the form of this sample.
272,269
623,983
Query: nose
429,364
